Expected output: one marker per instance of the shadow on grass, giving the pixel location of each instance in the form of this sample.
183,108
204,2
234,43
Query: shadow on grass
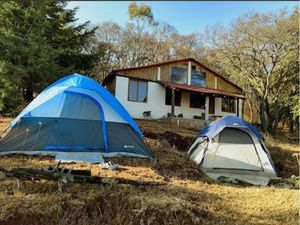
122,204
286,164
116,204
170,163
172,139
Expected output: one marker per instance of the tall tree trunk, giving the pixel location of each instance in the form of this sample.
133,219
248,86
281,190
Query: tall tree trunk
28,94
297,125
270,118
283,124
263,117
251,110
266,119
276,122
291,126
173,103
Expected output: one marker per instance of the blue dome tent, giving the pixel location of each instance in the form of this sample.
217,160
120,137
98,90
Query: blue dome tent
232,149
75,119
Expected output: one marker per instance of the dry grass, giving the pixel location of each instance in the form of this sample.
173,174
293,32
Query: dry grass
282,151
4,123
188,198
157,127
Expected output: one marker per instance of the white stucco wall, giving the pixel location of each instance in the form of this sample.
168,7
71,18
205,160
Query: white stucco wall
218,108
156,102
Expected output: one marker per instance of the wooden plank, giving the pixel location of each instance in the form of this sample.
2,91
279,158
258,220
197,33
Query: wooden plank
150,73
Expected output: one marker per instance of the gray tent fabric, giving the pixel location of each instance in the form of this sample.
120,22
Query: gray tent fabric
236,145
234,154
71,117
69,157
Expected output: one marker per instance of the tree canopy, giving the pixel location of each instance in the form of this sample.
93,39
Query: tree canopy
39,42
260,53
140,11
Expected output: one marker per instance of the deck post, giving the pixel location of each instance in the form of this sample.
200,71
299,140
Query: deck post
242,108
189,73
173,103
158,73
237,108
206,107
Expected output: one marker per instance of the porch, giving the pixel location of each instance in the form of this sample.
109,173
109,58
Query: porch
194,124
211,104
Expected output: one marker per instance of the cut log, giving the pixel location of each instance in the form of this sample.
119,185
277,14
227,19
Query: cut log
56,175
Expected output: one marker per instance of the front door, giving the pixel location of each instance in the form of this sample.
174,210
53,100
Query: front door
211,105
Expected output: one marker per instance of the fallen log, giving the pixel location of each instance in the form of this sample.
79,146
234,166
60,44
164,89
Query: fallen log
64,178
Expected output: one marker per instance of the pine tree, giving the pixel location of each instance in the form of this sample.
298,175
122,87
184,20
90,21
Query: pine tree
39,42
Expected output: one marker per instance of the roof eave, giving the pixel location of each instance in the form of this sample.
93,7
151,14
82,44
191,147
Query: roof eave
178,60
209,91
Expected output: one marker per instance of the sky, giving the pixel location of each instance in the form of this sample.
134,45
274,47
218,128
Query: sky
185,16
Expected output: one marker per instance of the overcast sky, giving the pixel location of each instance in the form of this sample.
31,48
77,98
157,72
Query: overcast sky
186,17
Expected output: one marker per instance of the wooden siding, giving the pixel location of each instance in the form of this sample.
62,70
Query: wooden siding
144,73
150,73
225,86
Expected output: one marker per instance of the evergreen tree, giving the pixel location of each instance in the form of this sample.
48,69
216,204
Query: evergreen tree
39,42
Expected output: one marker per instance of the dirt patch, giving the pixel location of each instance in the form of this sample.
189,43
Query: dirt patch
175,140
23,220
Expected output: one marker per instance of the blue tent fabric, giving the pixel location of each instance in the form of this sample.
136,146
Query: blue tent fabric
75,114
227,121
81,81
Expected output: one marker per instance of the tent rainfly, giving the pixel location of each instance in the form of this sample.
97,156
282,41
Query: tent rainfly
232,150
74,119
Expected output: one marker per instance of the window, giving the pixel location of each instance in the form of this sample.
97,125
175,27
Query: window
197,101
228,105
179,75
198,78
137,91
169,97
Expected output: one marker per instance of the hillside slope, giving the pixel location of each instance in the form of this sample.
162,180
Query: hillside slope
188,198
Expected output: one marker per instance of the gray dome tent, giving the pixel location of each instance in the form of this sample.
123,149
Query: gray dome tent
233,150
75,119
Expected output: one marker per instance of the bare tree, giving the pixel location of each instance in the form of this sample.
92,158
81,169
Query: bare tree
260,52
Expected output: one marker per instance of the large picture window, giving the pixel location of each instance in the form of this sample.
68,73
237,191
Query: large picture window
137,90
179,75
228,105
169,97
197,101
198,78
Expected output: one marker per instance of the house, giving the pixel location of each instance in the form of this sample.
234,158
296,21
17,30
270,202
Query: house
184,88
